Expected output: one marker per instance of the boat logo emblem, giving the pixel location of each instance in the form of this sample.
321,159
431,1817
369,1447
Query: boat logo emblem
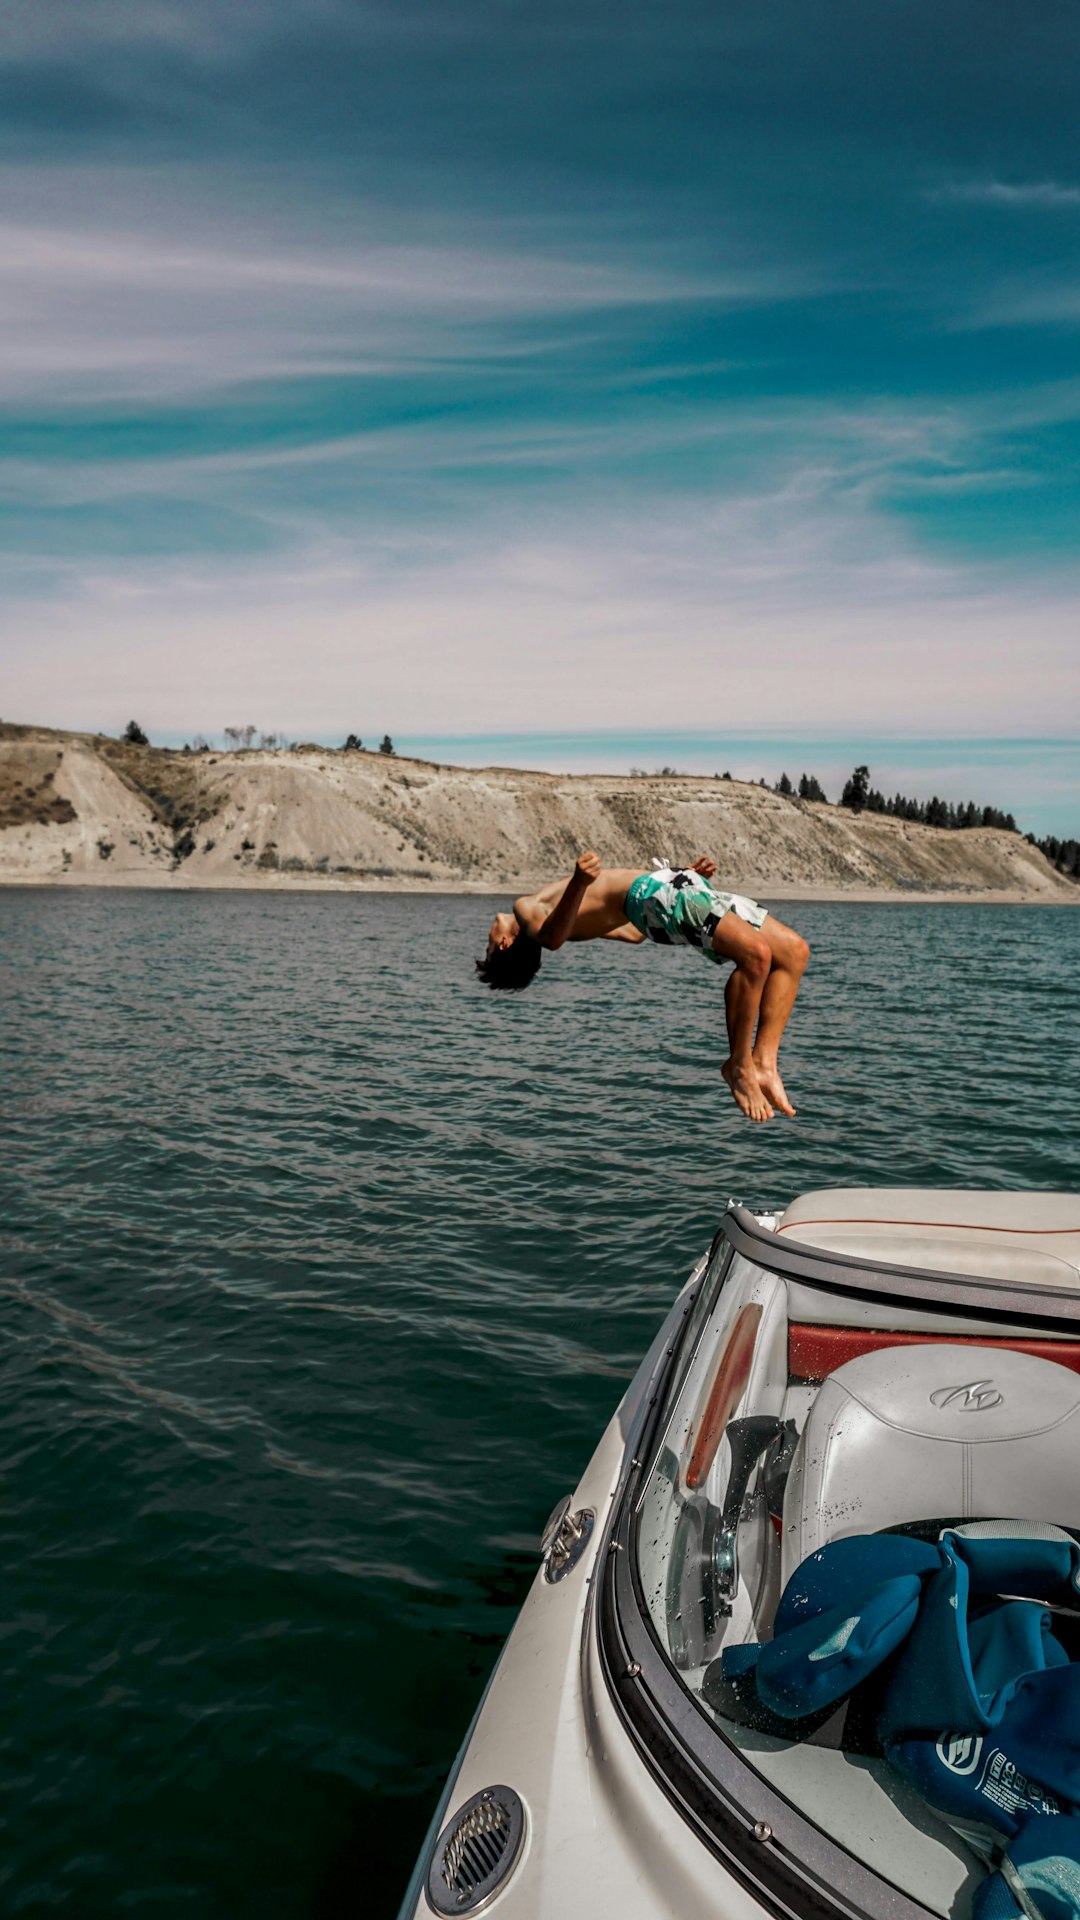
978,1396
960,1752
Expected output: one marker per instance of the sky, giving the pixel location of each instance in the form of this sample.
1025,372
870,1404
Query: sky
570,385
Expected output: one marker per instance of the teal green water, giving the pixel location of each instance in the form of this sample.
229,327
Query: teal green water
323,1269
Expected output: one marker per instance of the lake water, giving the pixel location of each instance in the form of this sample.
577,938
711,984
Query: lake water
323,1269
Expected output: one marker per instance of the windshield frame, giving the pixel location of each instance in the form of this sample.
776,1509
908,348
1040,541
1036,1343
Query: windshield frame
789,1864
869,1279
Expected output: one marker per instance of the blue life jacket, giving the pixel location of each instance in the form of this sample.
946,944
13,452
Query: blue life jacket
980,1703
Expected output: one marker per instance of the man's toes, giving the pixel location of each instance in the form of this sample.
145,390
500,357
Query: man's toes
775,1091
748,1093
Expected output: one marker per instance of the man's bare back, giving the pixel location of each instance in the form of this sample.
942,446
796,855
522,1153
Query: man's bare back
672,906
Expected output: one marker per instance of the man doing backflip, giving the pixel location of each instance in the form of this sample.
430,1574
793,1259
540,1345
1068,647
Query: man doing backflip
673,906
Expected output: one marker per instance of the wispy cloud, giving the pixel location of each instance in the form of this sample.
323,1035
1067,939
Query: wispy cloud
1036,302
761,611
122,311
461,275
1051,196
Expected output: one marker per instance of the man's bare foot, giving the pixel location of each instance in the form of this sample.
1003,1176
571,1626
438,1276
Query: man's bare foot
772,1086
746,1091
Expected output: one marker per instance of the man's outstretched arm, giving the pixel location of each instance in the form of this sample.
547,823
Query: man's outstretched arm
553,928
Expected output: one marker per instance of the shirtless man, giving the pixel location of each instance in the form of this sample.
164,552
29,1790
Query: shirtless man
672,906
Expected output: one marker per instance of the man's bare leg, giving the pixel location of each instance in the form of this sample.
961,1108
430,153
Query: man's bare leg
741,1084
753,958
790,955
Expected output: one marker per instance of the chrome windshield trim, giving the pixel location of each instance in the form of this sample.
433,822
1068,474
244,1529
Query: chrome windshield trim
868,1280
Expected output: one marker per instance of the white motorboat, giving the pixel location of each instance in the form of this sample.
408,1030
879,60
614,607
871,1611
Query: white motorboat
869,1366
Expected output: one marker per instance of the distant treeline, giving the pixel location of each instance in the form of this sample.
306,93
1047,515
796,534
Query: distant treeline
861,797
237,737
1062,854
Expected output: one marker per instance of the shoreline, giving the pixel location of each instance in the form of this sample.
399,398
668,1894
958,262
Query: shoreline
491,890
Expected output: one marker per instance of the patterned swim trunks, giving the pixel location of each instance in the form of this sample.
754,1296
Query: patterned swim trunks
674,904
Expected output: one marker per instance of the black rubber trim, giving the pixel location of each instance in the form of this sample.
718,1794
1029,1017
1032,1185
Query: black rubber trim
839,1273
671,1364
798,1873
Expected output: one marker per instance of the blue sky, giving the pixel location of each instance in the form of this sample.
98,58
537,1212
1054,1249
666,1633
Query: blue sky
568,374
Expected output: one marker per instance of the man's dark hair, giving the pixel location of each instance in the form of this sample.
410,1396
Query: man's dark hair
514,966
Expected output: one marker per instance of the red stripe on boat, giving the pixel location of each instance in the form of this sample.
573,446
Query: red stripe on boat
815,1352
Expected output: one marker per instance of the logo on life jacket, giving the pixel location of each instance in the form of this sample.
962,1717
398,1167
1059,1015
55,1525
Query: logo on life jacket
978,1396
960,1752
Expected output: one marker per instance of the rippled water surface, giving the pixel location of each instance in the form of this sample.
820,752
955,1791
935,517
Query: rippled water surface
323,1269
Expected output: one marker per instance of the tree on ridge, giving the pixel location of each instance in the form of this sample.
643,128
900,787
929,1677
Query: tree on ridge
856,790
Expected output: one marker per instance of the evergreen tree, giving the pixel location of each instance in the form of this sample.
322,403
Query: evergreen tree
134,735
386,745
784,786
856,790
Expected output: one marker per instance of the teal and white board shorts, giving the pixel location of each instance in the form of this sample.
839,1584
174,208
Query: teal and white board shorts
674,905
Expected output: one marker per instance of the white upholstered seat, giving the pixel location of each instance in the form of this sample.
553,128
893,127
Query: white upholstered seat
1027,1238
934,1432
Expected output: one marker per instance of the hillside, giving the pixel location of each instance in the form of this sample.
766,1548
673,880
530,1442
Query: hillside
80,808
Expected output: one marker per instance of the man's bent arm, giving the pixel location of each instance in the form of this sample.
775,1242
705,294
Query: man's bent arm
559,924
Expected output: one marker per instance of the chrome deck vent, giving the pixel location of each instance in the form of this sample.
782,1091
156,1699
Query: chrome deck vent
476,1852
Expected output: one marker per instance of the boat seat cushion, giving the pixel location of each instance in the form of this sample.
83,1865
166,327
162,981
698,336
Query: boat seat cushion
1023,1237
933,1432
